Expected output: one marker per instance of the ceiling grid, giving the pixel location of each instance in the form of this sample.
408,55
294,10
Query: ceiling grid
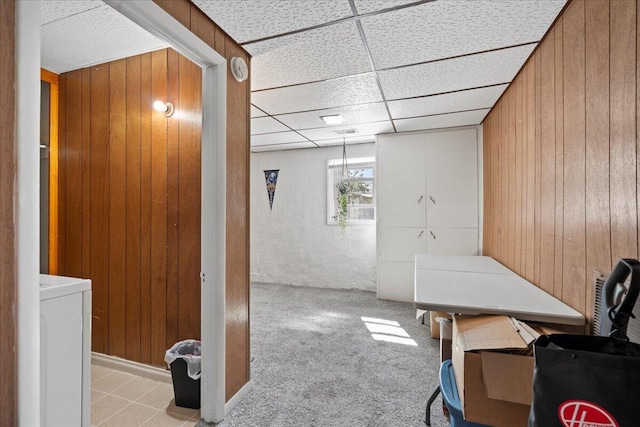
384,65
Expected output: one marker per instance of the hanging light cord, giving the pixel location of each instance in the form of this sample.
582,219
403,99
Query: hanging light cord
344,159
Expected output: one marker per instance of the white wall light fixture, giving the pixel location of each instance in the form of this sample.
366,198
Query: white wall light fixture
165,108
335,119
239,69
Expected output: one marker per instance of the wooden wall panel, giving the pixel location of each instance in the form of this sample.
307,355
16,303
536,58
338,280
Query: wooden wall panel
574,230
511,178
238,157
72,157
547,164
152,279
100,196
559,159
145,207
132,226
530,161
159,208
8,147
536,123
580,112
189,207
173,199
518,188
62,180
86,178
598,229
117,206
119,198
622,130
237,258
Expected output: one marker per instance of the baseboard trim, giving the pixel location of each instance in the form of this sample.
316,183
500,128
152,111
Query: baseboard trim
237,397
130,367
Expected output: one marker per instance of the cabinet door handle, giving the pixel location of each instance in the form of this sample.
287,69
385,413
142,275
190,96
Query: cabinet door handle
421,233
420,199
432,235
432,199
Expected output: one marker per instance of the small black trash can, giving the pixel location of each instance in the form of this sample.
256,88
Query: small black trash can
184,360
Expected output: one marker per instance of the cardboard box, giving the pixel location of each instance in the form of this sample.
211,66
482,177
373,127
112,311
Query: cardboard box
435,326
494,386
446,333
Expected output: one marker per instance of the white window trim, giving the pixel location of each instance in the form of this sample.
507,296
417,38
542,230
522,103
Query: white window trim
329,191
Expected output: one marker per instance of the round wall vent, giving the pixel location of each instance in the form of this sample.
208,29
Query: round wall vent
239,69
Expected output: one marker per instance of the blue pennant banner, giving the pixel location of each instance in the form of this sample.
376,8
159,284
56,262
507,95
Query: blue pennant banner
271,177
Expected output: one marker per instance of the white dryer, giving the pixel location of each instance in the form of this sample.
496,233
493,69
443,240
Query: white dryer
65,351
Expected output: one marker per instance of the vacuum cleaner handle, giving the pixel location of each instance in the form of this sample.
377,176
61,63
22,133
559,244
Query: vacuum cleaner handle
617,308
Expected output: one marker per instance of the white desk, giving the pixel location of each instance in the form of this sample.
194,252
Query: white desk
481,292
473,264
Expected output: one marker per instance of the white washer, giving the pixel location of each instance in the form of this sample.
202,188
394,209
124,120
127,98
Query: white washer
65,351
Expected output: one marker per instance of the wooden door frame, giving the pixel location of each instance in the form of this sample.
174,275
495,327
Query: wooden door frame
53,79
214,75
159,23
27,203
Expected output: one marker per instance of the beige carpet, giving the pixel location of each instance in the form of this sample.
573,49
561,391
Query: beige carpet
336,358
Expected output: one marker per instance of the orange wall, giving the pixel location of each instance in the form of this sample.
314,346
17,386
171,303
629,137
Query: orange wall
561,193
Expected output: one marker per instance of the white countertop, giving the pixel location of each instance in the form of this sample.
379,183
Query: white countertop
470,263
472,289
57,286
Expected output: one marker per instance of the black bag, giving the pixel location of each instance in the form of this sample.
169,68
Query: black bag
582,380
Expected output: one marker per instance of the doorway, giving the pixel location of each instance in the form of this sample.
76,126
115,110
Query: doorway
212,277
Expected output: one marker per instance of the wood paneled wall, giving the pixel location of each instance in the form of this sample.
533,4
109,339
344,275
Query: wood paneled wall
147,185
8,339
561,159
238,157
129,200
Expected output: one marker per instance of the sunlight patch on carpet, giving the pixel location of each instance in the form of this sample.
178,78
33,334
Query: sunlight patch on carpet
387,330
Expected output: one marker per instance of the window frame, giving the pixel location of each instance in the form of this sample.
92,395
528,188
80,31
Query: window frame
331,183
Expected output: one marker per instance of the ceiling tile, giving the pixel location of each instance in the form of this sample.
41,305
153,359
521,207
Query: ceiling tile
276,138
93,37
256,112
368,6
352,115
441,121
278,147
320,54
266,125
255,19
454,74
52,10
443,29
330,132
450,102
360,89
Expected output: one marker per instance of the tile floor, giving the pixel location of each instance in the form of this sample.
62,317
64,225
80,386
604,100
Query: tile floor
123,400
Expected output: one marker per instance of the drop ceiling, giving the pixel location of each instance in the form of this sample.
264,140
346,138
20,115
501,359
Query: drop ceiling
384,65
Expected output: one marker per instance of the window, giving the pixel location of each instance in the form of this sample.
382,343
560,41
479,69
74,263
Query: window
360,198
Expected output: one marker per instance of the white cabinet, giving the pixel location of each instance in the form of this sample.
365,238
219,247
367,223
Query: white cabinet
427,202
452,179
65,351
401,181
402,244
451,241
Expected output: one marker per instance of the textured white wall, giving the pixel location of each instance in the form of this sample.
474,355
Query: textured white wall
292,244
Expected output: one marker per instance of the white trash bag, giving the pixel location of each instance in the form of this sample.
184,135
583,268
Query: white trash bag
189,350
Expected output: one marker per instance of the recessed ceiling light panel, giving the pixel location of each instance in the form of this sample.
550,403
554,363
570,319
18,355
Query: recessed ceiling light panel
335,119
